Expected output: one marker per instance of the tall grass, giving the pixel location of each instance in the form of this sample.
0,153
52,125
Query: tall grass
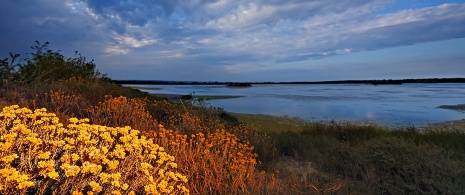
372,159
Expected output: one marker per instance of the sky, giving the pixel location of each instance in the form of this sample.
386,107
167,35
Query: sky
246,40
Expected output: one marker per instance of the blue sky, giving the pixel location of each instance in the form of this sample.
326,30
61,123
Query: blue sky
244,40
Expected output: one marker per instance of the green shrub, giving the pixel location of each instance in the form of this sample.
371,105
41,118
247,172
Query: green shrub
45,66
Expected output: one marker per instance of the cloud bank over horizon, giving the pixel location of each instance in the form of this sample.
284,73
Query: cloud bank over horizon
241,40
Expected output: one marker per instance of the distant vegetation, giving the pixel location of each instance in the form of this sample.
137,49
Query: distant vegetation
374,82
238,85
96,137
459,107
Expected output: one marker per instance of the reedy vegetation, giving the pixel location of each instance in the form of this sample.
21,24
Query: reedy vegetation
205,151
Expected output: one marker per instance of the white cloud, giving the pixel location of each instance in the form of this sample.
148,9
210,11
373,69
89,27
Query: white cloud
115,50
133,42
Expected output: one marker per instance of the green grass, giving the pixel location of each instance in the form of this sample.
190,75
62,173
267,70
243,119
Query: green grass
271,123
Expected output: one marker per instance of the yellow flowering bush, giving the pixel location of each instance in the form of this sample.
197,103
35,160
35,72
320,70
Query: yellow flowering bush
215,163
39,155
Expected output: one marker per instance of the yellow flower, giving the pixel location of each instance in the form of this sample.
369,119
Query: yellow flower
88,167
35,141
44,155
52,174
113,164
95,186
173,165
74,157
70,141
161,172
25,184
6,172
116,183
70,170
116,192
104,177
73,120
151,189
46,165
76,193
57,143
119,152
10,137
9,158
5,146
68,147
125,186
104,150
182,177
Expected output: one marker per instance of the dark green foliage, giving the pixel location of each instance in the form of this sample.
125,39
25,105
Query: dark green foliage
8,67
44,66
228,119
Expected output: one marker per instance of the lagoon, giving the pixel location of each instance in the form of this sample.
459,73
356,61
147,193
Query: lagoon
392,105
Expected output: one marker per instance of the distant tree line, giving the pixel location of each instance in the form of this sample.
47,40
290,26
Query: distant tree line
374,82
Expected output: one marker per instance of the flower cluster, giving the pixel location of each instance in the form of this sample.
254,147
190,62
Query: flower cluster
38,154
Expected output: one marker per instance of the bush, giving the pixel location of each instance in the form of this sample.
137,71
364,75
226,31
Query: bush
46,66
122,111
40,156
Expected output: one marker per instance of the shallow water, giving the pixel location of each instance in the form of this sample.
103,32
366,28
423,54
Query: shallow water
406,104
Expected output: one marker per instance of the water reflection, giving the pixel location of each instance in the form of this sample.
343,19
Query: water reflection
406,104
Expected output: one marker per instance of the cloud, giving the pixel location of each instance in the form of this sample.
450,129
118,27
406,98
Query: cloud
224,35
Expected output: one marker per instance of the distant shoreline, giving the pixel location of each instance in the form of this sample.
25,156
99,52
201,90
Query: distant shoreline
373,82
175,97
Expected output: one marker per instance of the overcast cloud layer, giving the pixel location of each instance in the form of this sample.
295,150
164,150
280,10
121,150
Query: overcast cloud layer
243,40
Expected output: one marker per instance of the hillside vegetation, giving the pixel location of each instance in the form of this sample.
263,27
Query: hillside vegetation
66,128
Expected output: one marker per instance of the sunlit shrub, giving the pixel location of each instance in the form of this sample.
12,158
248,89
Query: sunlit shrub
185,117
216,162
58,102
122,111
40,156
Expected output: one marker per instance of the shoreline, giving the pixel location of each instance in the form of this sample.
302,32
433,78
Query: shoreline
175,97
296,123
275,123
454,125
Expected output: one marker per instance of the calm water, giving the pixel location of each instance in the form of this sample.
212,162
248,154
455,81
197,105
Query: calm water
406,104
